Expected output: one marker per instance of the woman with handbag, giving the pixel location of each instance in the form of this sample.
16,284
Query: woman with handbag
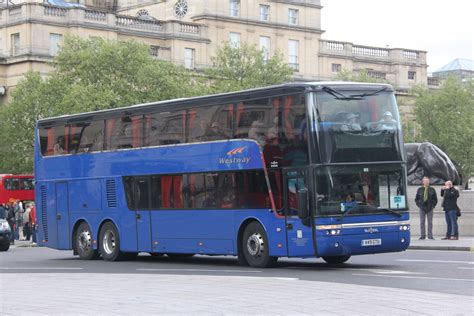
450,196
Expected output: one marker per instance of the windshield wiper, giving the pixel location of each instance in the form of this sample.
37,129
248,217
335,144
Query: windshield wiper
339,95
387,210
347,212
390,211
367,94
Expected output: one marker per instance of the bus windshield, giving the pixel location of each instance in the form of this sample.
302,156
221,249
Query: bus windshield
360,129
359,189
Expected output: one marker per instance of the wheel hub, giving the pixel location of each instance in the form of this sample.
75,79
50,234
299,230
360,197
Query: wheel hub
255,244
84,241
109,242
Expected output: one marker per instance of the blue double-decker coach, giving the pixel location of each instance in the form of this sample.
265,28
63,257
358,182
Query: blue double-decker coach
294,170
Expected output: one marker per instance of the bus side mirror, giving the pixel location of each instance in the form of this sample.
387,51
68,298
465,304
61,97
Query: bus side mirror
303,209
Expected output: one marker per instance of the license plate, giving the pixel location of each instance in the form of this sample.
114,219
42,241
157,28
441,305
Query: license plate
371,242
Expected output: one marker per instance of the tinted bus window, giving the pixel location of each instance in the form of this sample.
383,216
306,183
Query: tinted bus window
222,190
86,137
123,132
53,141
12,184
142,193
165,128
285,133
210,123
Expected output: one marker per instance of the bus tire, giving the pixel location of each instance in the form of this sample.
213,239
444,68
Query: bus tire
109,243
83,243
180,255
5,246
255,246
336,259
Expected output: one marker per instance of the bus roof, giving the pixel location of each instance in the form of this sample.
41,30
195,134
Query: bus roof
20,176
176,104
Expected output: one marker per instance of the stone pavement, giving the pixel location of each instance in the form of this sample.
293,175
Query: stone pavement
463,244
148,294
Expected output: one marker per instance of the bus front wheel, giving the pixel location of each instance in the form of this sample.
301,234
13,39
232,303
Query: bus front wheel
255,247
110,243
336,259
83,243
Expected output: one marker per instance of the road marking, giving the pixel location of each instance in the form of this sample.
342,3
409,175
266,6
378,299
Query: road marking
35,268
380,271
435,261
412,277
466,268
202,270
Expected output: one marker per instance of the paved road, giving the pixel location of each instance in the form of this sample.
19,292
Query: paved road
45,281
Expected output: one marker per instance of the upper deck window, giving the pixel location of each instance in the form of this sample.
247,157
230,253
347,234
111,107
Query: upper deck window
276,123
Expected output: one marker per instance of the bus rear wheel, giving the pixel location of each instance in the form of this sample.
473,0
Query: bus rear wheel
83,243
336,259
255,247
110,243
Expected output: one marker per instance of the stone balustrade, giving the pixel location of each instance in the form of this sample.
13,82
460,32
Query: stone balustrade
99,19
350,50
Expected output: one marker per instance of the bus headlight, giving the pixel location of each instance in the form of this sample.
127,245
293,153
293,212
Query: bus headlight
333,232
404,227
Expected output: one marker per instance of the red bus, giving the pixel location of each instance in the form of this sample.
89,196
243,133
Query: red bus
16,187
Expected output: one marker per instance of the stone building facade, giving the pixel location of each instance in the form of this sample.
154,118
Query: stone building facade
187,32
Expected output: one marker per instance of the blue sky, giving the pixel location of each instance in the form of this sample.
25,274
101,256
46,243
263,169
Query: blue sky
443,28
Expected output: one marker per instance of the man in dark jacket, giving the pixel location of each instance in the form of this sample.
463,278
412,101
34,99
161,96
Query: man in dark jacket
426,200
450,197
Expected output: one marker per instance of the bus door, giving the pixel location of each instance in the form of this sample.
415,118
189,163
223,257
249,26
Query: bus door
143,216
62,215
298,215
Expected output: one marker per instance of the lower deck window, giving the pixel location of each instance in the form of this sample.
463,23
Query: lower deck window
212,190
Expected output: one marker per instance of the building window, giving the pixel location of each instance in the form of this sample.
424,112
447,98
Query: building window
264,12
189,58
15,48
154,50
377,74
292,16
293,47
265,47
235,8
336,68
55,41
234,39
412,75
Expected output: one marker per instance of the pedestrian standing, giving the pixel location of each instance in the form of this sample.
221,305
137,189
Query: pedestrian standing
32,220
11,222
450,197
27,223
3,214
426,201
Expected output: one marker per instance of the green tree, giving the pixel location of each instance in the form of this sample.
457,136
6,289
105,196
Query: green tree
89,74
236,68
446,119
